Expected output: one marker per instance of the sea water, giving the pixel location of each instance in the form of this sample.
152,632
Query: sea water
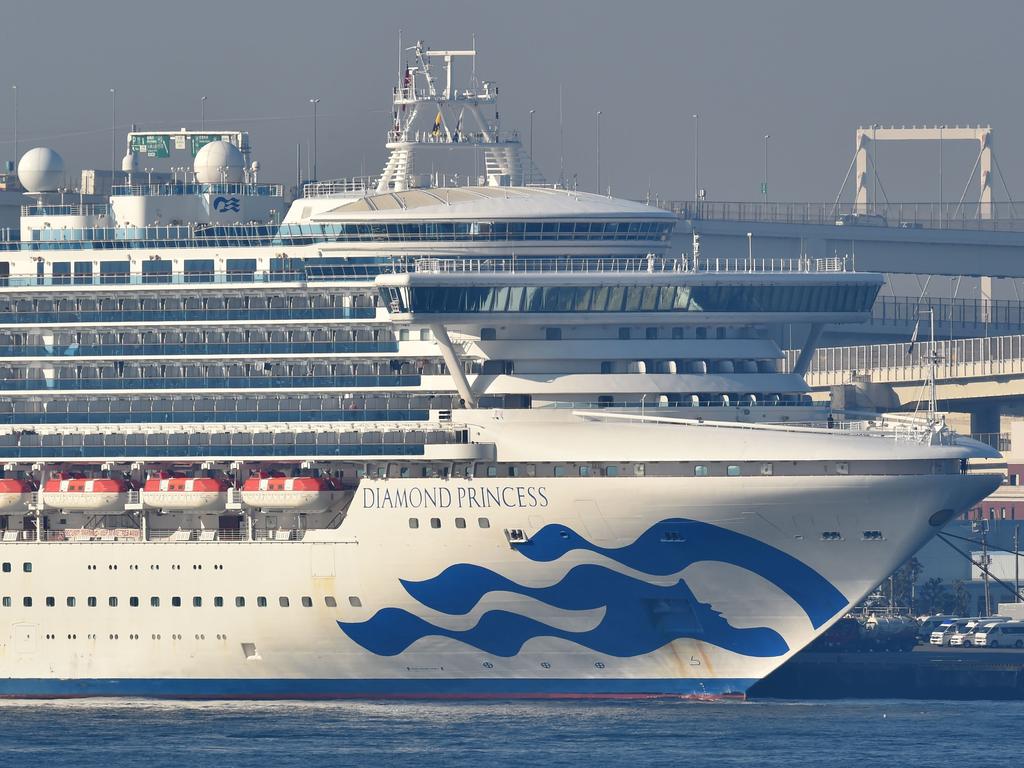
888,734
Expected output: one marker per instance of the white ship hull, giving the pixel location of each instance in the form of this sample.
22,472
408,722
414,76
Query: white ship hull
709,588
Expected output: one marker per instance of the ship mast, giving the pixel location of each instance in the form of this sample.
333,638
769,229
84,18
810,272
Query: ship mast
430,110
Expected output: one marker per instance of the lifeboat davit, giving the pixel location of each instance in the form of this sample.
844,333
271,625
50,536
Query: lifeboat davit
14,495
185,494
302,494
85,494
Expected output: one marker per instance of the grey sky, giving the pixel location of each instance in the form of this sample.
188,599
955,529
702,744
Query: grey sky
808,73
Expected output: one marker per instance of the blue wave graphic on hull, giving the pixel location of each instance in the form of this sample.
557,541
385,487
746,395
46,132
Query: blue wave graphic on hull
639,617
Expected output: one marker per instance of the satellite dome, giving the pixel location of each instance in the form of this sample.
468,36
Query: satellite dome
219,161
41,170
130,162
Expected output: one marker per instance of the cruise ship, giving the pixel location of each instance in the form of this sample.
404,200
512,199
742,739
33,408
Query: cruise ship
408,438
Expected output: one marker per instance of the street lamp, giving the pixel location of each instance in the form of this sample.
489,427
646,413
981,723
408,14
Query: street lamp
764,187
15,89
113,134
531,144
314,102
599,151
696,158
203,123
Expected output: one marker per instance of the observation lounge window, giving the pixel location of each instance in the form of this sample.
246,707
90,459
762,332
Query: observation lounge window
62,273
198,270
83,272
156,272
240,270
115,271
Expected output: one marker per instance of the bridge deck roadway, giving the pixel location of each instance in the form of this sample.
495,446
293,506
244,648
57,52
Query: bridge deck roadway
967,369
887,249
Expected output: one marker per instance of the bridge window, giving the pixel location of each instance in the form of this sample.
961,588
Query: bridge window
624,334
651,333
553,334
488,334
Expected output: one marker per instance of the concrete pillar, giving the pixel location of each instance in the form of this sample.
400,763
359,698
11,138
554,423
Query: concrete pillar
985,418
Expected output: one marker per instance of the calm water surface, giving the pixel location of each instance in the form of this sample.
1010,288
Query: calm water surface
887,734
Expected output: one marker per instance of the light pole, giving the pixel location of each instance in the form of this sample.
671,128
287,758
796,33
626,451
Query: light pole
696,158
531,144
940,174
599,151
113,134
314,102
203,123
15,89
764,187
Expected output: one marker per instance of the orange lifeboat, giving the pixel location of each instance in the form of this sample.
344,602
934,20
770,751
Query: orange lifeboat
185,494
302,494
85,494
14,495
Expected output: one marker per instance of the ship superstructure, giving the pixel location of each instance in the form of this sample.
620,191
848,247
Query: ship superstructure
488,439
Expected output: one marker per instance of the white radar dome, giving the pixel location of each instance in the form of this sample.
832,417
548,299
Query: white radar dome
41,170
219,161
130,162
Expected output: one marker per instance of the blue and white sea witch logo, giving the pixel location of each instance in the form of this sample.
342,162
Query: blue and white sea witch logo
639,617
223,204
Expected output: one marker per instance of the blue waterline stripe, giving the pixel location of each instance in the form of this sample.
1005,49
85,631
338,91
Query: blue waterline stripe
374,688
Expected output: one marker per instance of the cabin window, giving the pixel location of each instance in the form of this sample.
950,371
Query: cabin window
733,470
239,602
624,334
112,602
7,568
584,471
51,602
154,602
651,333
26,567
559,471
435,522
284,602
330,602
27,602
611,471
460,522
71,602
307,602
261,602
414,522
7,602
483,522
700,471
91,601
218,602
176,602
133,601
355,602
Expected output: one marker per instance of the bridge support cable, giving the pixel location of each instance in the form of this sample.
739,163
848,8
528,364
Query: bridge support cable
1018,596
803,362
454,363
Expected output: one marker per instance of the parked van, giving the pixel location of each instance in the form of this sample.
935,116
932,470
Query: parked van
964,635
1007,634
928,625
942,633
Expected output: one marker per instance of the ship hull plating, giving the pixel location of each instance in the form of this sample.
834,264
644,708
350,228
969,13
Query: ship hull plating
554,587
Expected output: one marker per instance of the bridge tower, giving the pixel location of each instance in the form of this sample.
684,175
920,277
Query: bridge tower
865,158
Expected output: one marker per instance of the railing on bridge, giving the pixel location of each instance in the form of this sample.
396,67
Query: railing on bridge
1005,216
905,363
